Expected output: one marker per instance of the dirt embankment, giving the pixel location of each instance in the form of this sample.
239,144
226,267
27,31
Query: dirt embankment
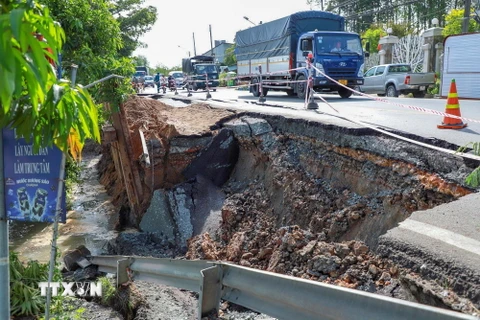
174,137
303,199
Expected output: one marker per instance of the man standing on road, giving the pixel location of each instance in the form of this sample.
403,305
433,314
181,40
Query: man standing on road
156,80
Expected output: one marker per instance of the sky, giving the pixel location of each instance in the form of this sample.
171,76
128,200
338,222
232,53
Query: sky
172,35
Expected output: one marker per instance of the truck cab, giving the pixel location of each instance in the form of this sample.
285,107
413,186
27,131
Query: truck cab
339,55
201,71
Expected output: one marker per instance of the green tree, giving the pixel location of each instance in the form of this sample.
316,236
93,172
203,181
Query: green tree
32,100
454,21
373,35
359,14
93,36
230,58
141,61
401,29
163,69
134,21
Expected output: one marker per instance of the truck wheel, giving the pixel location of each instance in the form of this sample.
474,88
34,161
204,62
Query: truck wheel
255,89
419,94
391,91
265,92
344,93
301,87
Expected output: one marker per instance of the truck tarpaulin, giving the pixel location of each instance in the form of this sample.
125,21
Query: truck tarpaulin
280,36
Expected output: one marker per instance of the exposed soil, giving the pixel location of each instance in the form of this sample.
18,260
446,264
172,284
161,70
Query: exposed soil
161,124
295,204
162,120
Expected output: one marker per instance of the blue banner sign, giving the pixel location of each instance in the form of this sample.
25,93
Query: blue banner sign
31,180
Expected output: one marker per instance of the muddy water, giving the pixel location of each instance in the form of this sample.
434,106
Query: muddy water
90,223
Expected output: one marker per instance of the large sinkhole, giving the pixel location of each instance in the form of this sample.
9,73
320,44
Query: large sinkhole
285,195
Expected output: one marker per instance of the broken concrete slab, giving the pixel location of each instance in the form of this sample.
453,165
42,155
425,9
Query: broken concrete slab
158,218
239,128
258,126
77,258
182,206
216,161
209,201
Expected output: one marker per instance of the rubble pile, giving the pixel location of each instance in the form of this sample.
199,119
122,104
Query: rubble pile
249,236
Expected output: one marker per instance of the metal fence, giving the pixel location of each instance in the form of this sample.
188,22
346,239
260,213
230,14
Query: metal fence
276,295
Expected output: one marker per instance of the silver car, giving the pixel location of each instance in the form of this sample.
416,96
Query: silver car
149,82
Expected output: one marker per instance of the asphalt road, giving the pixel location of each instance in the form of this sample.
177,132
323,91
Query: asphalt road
386,115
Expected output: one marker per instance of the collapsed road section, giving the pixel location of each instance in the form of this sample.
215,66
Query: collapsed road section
286,195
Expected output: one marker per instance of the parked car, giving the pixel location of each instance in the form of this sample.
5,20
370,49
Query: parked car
149,82
179,79
395,79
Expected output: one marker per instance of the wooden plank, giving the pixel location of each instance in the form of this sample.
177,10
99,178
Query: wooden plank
130,174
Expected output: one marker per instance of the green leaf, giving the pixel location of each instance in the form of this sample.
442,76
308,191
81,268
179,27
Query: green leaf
473,179
16,17
6,89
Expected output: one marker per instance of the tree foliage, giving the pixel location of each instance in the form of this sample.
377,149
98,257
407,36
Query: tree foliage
373,35
94,41
141,61
230,58
32,100
93,36
134,21
413,14
163,69
454,22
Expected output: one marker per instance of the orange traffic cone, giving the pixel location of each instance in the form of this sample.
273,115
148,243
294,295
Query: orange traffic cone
453,108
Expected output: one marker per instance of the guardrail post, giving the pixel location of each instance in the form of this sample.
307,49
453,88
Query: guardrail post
210,291
122,271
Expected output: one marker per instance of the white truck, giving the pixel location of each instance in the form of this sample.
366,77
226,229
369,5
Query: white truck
460,62
391,80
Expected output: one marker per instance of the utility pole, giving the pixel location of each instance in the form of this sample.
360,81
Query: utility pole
194,48
4,257
466,16
211,42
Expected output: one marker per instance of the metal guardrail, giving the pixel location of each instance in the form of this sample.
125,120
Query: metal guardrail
276,295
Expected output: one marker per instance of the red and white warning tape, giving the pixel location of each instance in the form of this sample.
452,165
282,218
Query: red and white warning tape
439,113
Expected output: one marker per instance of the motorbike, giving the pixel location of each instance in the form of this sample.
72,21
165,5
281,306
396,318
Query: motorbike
172,85
164,87
137,86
